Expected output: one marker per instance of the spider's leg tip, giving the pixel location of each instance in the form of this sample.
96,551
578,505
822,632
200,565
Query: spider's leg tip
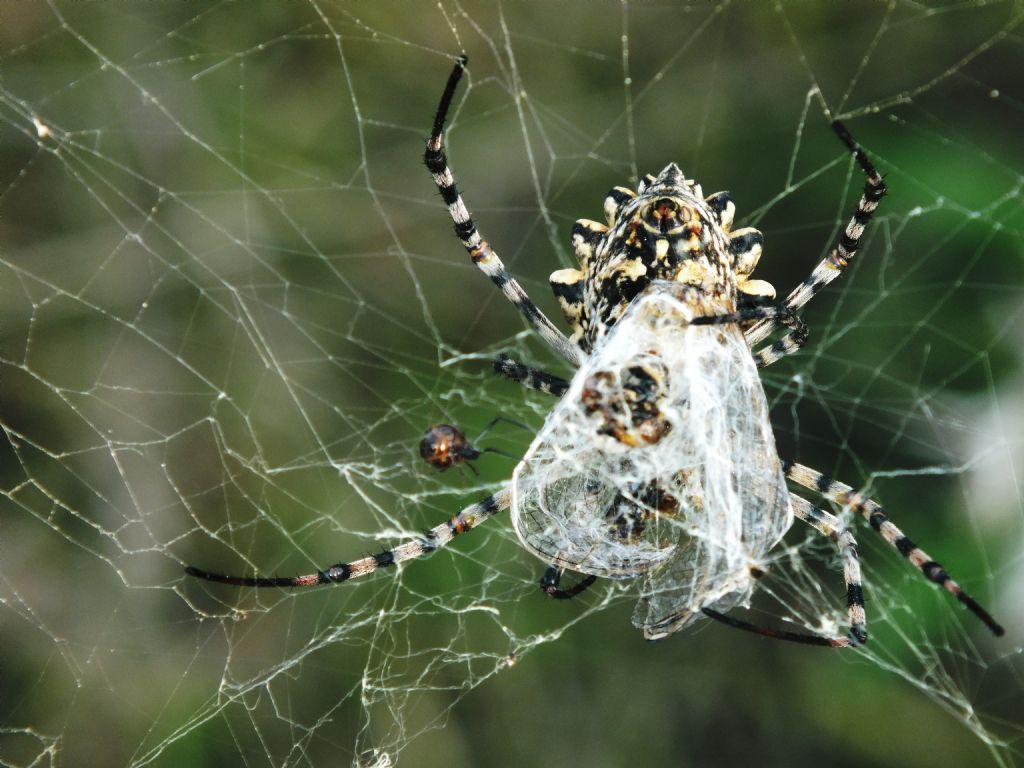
858,636
463,59
995,627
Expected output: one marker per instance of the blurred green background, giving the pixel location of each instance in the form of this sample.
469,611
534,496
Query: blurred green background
231,302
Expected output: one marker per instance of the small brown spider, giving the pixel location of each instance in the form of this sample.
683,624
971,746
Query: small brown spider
443,446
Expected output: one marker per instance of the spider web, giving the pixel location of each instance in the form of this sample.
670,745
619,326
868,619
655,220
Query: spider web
232,303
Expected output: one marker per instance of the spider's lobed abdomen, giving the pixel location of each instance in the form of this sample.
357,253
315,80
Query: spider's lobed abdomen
666,230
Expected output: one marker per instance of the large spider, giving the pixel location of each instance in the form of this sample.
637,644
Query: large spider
659,460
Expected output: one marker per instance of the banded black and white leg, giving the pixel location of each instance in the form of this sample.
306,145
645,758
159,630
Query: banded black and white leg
870,510
437,537
479,249
531,378
832,266
828,525
787,345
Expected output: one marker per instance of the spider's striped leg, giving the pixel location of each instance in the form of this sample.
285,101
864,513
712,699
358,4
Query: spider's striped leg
843,494
550,584
483,433
836,262
787,345
829,525
435,538
479,250
776,634
531,378
503,420
780,314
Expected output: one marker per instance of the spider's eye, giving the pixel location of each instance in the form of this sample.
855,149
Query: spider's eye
666,215
665,208
662,209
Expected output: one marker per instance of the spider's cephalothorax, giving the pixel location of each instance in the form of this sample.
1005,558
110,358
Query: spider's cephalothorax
659,460
666,230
